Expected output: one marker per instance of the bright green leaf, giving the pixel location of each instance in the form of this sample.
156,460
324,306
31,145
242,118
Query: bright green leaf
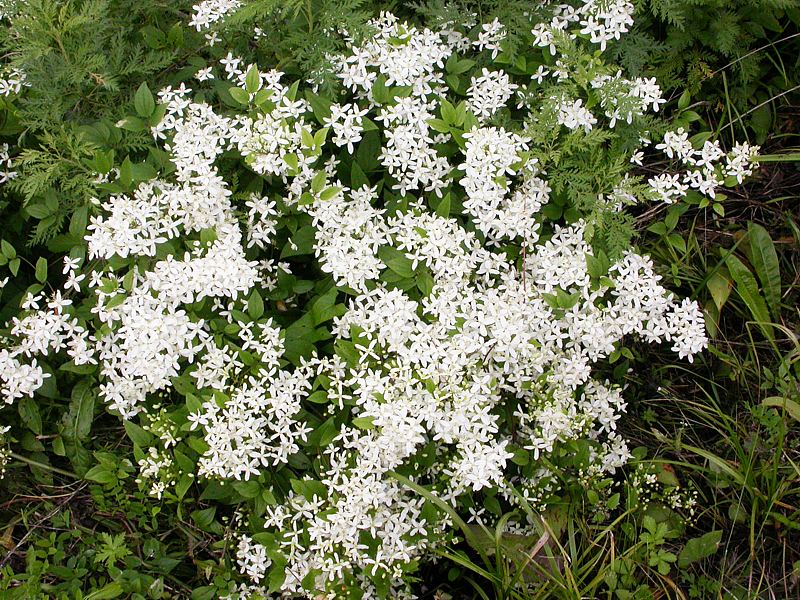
143,101
699,548
41,270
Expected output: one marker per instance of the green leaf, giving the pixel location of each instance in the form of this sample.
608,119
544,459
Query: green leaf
38,211
319,180
291,161
327,432
369,150
142,172
183,485
381,94
659,228
157,116
358,178
255,305
597,266
100,474
448,112
396,261
207,592
699,548
321,107
765,263
303,241
425,282
346,350
41,270
8,250
107,592
78,222
720,288
790,406
747,288
324,308
684,100
247,489
239,95
443,208
134,124
29,413
676,241
439,125
329,193
137,435
292,93
71,367
306,138
364,423
204,518
674,213
319,397
457,67
78,419
126,173
277,573
252,81
143,101
521,457
49,388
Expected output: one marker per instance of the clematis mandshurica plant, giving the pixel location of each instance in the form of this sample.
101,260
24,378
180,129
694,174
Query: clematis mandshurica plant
315,296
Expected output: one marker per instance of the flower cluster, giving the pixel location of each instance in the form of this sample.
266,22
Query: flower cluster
705,171
208,12
12,80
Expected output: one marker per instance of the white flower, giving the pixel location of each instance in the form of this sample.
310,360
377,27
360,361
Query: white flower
489,92
490,37
252,559
573,114
676,144
73,282
668,187
739,161
208,12
540,74
204,74
31,302
347,123
6,173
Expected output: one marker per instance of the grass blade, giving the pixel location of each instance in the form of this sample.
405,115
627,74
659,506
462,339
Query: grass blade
469,535
790,406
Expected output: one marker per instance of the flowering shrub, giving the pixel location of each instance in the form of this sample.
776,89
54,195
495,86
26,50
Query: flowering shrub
300,301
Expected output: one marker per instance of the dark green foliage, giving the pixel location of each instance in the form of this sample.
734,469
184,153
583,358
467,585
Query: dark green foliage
82,61
82,57
740,57
298,35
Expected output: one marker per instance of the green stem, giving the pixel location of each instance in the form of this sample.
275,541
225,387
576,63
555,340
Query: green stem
40,465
